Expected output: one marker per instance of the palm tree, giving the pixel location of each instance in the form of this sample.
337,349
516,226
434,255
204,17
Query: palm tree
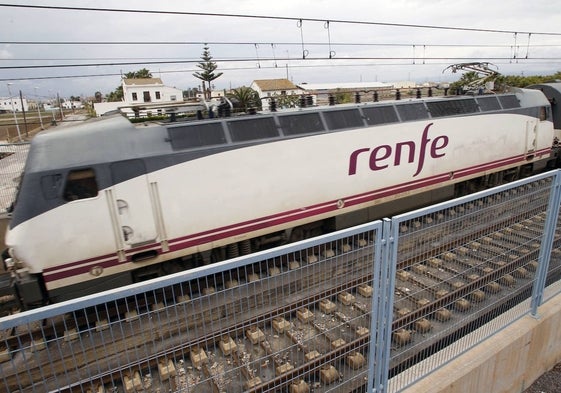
245,98
207,74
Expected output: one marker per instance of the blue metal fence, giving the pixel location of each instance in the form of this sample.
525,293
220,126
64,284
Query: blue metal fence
355,309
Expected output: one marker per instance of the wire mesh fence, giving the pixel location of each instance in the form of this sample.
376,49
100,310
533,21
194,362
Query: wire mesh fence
12,163
342,312
296,320
461,266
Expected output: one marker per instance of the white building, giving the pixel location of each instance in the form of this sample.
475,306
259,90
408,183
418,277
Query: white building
142,96
67,104
149,90
8,104
271,88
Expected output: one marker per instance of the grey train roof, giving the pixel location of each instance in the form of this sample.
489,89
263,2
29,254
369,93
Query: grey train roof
553,93
97,141
114,138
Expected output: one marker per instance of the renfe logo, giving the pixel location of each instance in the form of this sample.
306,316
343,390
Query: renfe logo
381,156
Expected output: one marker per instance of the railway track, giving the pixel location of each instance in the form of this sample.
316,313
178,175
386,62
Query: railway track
301,323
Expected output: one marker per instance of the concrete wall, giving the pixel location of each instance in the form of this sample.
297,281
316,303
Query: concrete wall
508,362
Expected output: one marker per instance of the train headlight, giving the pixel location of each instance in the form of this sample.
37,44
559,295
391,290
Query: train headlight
9,263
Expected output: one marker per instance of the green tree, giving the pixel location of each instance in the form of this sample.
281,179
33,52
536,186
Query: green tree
143,73
503,81
343,97
117,94
245,98
287,101
207,74
465,80
190,92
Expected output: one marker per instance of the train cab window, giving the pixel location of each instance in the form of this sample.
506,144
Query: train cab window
80,184
452,107
253,129
412,111
303,123
380,115
339,119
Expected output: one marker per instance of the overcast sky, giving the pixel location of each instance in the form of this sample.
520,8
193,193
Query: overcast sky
248,48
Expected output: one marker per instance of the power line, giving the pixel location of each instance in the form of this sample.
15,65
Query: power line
263,67
235,60
160,43
295,62
185,13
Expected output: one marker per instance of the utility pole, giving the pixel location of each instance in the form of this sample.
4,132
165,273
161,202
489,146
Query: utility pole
14,110
39,108
24,117
60,107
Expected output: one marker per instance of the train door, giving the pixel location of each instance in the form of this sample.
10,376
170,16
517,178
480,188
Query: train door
531,136
131,205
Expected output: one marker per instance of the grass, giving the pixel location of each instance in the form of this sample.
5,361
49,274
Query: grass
28,126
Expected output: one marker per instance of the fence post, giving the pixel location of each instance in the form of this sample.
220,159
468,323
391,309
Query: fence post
547,243
382,310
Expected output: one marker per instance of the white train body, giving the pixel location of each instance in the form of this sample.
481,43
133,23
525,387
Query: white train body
155,197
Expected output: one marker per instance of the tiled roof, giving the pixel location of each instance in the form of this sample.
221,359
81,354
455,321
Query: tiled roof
142,81
275,84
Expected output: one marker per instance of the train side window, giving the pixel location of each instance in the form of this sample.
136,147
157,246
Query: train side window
196,135
452,107
543,113
509,101
253,129
340,119
80,184
305,123
409,112
488,103
380,115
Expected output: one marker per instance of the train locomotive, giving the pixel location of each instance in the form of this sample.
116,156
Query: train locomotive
107,203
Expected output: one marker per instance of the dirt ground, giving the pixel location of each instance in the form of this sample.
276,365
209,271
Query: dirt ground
550,382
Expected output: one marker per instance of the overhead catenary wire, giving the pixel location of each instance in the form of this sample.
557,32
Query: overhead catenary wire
358,22
330,65
10,64
237,43
259,60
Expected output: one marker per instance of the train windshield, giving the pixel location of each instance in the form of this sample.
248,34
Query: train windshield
80,184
